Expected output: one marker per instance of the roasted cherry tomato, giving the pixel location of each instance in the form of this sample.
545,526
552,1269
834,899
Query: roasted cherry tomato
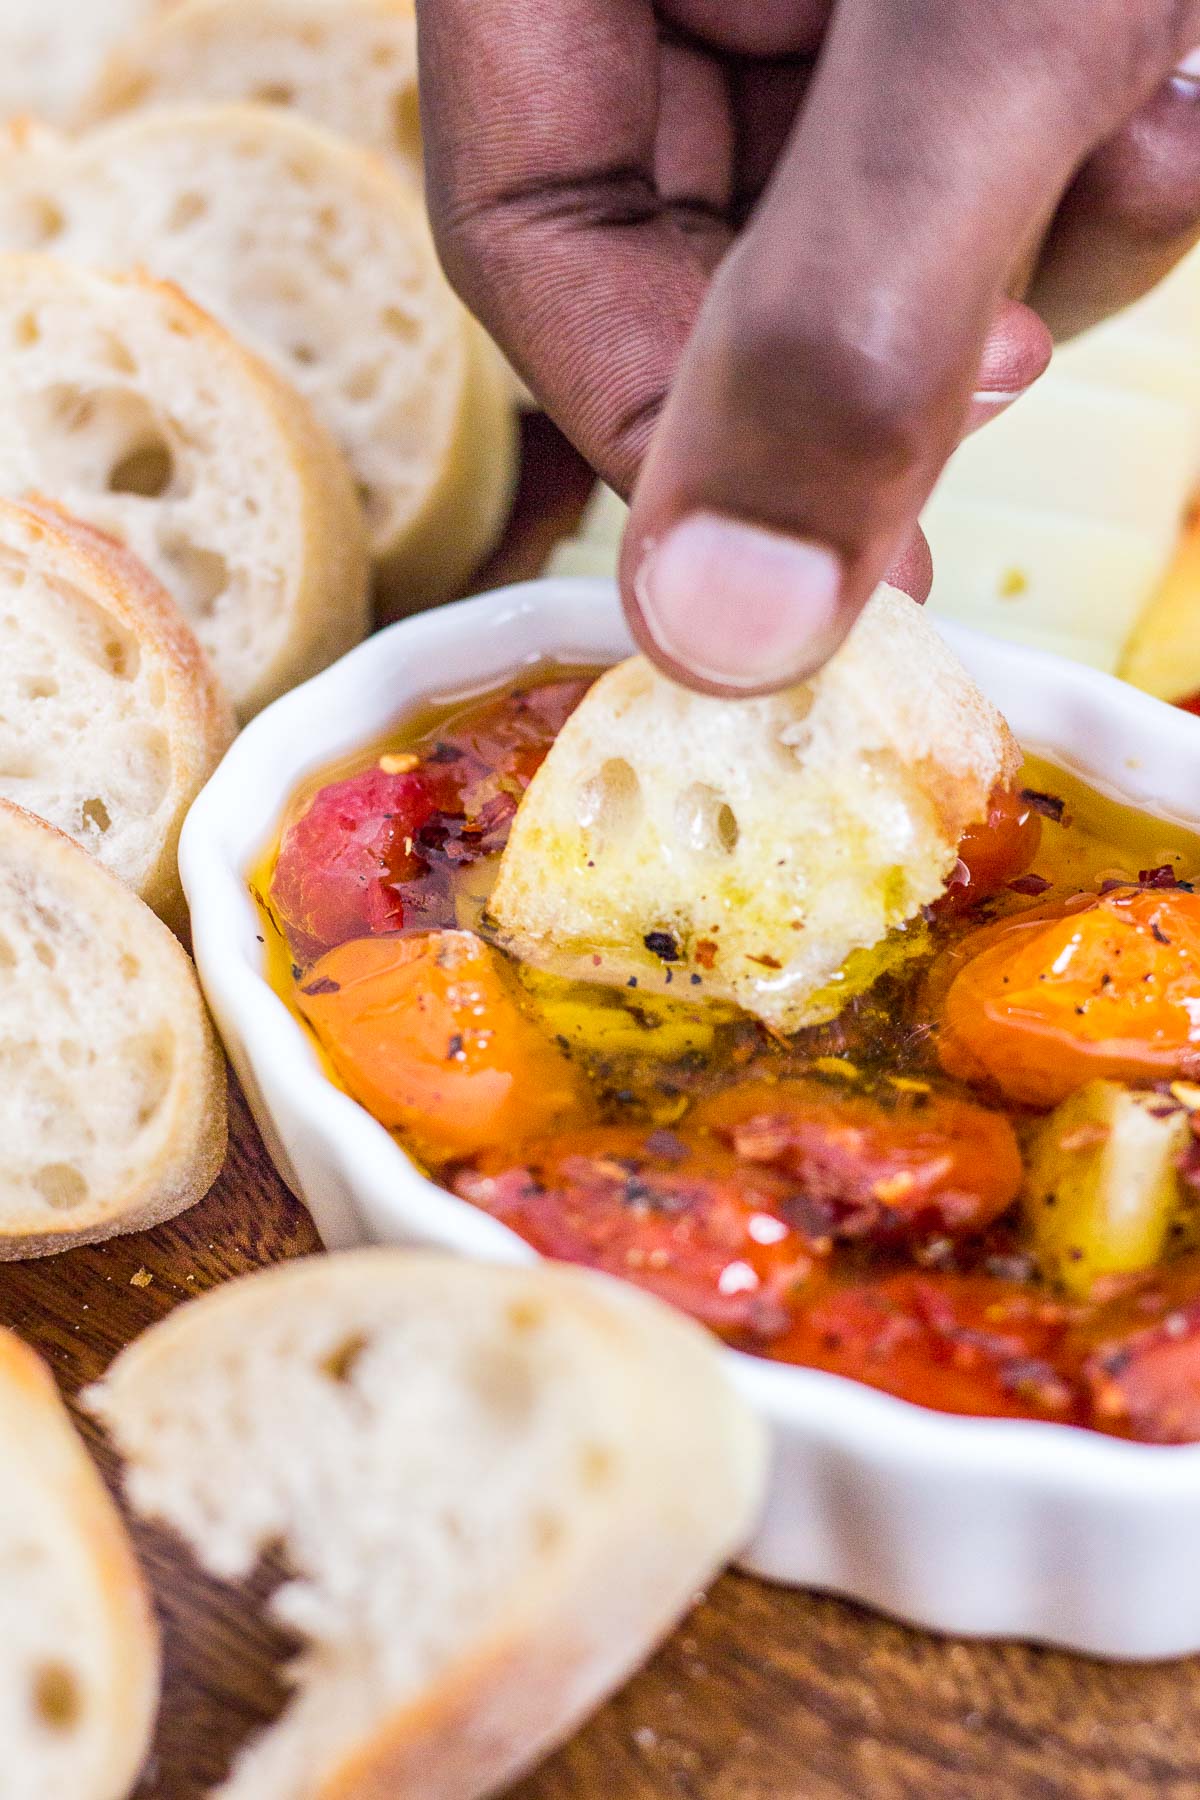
427,1033
1140,1358
957,1343
343,862
376,852
888,1166
672,1214
502,743
1095,985
993,852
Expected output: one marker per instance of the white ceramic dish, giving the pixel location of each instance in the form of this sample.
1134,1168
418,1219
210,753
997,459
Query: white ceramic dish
979,1527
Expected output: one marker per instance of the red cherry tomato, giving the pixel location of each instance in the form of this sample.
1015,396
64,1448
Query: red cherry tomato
343,862
680,1217
957,1343
888,1166
993,852
1140,1358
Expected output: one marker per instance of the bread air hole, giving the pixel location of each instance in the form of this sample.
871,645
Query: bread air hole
186,211
40,221
401,324
197,576
610,802
705,820
27,332
60,1185
152,1056
344,1358
57,1696
95,816
8,956
274,93
148,470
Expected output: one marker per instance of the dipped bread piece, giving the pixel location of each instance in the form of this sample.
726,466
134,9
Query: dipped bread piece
111,719
112,1106
348,64
79,1663
316,255
138,412
496,1490
766,852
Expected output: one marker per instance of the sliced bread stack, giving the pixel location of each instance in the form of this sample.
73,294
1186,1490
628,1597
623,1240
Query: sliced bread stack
134,410
79,1664
318,256
496,1490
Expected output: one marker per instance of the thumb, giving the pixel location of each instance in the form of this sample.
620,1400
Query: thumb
858,328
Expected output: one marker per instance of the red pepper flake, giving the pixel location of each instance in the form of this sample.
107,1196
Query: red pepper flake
705,953
1049,805
323,986
1158,934
1032,885
1162,877
766,962
454,1049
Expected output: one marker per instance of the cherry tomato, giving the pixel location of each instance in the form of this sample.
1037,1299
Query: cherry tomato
1140,1358
343,862
1095,985
495,750
957,1343
993,852
675,1215
887,1166
376,852
427,1033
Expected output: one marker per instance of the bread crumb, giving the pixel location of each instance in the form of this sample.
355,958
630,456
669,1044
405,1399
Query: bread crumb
399,765
141,1279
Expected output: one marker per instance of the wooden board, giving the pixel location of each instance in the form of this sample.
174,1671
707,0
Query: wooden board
764,1694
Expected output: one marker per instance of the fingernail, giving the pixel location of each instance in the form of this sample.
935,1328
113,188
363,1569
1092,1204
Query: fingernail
1187,73
987,402
737,605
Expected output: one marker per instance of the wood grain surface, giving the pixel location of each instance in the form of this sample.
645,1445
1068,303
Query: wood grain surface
763,1694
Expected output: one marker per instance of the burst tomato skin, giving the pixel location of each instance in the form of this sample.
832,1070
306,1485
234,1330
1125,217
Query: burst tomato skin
343,862
1058,995
992,853
885,1167
968,1344
662,1209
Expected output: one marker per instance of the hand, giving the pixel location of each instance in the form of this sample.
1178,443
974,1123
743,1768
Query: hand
758,258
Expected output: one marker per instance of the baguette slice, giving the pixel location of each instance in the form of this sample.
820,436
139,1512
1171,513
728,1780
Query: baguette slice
52,50
142,415
111,720
348,64
112,1104
497,1489
758,852
79,1645
319,256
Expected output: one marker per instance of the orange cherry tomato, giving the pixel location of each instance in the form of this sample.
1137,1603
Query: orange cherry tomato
1095,985
1140,1358
993,852
886,1167
427,1033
